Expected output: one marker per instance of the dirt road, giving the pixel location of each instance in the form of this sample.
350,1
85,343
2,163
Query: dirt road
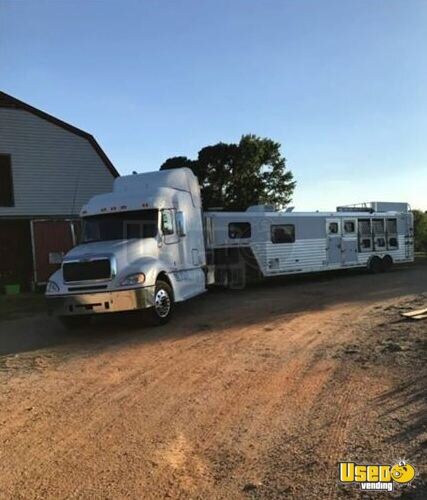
251,394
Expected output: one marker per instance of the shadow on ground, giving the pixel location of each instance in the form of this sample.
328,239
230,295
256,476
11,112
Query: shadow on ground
406,407
270,300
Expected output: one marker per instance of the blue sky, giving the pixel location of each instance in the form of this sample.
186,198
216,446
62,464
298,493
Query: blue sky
341,84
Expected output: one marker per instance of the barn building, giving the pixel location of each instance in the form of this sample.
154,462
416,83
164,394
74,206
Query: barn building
48,170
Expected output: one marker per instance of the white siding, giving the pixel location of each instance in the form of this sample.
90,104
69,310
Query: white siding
301,255
54,171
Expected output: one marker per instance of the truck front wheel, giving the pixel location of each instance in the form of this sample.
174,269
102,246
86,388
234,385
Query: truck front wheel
162,310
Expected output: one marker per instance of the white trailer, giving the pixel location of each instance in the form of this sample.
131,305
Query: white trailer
262,242
147,245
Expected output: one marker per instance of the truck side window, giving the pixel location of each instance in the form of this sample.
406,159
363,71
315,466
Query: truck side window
167,222
237,230
283,233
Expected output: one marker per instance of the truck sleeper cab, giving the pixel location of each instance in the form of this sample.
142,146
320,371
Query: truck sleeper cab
141,248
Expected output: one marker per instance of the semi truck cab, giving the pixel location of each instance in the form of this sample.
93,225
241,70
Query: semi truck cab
141,247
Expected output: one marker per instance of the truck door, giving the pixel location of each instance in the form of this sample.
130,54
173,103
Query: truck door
170,239
333,241
349,241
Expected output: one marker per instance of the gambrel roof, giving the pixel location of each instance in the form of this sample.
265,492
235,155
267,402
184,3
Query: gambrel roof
8,101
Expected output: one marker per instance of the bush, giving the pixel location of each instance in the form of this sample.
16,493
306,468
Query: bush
420,230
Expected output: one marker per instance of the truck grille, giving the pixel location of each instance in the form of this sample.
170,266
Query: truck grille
86,271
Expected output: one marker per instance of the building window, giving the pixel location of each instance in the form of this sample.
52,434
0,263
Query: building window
6,182
237,230
284,233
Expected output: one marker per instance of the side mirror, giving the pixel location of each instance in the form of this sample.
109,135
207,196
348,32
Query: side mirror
180,224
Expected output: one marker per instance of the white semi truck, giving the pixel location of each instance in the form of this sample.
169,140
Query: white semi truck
147,245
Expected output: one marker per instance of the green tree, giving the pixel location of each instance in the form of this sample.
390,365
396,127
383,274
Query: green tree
235,176
420,230
177,162
215,167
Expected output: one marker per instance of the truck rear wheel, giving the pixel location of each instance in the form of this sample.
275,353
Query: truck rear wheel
162,310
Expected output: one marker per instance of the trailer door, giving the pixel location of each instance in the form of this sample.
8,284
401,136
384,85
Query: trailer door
333,241
349,241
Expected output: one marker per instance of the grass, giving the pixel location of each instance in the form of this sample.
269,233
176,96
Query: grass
21,305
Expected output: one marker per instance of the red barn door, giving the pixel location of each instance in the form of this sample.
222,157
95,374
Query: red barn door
51,240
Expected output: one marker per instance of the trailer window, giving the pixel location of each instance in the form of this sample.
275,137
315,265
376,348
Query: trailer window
365,227
365,235
392,226
379,242
283,233
238,230
349,227
378,226
392,242
333,228
365,243
167,222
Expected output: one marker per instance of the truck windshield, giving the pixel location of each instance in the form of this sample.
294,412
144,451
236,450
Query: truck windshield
120,226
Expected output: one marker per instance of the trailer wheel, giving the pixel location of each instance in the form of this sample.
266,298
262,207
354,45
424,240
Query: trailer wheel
387,263
162,310
375,265
74,322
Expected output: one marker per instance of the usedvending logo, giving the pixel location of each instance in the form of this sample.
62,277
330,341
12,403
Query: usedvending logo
376,477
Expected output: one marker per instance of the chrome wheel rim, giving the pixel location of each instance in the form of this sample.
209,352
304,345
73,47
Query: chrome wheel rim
162,303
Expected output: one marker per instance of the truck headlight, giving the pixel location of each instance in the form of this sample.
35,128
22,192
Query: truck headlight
133,279
52,287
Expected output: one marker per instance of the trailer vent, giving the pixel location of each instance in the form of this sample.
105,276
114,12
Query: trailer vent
357,209
99,269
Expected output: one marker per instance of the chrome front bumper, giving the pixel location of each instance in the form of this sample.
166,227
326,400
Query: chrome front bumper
106,302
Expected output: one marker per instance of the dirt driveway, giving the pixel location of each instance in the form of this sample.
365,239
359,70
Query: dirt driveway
251,394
